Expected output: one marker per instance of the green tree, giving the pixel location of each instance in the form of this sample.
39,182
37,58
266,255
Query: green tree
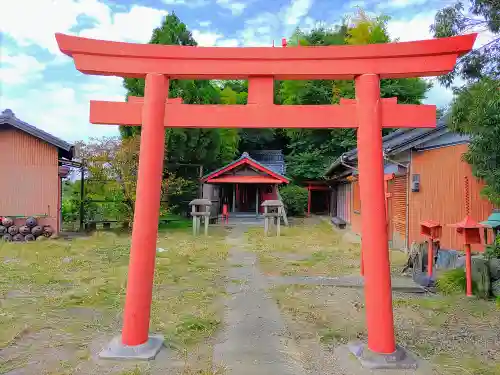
111,166
310,151
475,111
236,92
472,16
210,147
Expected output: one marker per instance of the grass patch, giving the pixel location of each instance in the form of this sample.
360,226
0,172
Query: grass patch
73,292
458,335
192,328
135,371
320,248
452,281
176,222
321,251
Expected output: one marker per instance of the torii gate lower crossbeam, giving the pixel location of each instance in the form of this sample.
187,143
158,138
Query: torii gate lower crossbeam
366,64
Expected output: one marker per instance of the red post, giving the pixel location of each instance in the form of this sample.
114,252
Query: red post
468,269
430,257
309,200
378,294
147,210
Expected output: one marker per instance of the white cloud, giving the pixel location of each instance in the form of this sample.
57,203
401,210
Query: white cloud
415,28
483,38
438,95
205,23
228,43
258,31
47,17
266,27
187,3
418,28
64,111
119,26
213,38
355,3
206,38
235,7
297,10
399,4
18,69
308,24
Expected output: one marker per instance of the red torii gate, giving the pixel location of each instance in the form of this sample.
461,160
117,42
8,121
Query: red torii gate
365,64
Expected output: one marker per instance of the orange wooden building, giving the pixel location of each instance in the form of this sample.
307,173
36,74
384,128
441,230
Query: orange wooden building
426,179
30,171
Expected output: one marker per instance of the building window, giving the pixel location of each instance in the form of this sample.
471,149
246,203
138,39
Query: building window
356,201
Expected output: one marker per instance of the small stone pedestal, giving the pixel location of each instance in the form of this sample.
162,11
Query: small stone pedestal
399,360
273,210
200,208
118,351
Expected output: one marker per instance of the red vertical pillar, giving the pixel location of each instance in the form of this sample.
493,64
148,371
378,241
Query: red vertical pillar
430,257
378,294
147,210
238,197
309,200
468,270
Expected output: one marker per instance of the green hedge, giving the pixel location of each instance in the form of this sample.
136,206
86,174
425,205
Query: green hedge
295,199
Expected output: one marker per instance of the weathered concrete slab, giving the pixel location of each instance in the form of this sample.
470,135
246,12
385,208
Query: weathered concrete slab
345,363
399,284
254,340
118,351
399,360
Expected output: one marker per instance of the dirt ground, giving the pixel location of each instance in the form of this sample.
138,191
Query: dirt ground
61,302
456,334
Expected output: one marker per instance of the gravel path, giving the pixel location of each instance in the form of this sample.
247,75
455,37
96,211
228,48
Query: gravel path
255,340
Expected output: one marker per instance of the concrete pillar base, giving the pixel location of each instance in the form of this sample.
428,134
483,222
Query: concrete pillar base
400,359
144,352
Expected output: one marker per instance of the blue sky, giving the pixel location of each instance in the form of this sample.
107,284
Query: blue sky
42,86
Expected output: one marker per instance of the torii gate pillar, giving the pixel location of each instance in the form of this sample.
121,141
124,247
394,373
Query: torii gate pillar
381,351
378,294
135,341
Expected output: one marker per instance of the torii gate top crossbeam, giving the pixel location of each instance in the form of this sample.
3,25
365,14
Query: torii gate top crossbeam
391,60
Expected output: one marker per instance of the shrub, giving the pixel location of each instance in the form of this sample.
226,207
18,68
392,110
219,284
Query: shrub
452,281
493,250
295,199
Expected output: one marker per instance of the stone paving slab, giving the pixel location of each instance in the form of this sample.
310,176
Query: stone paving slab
399,283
